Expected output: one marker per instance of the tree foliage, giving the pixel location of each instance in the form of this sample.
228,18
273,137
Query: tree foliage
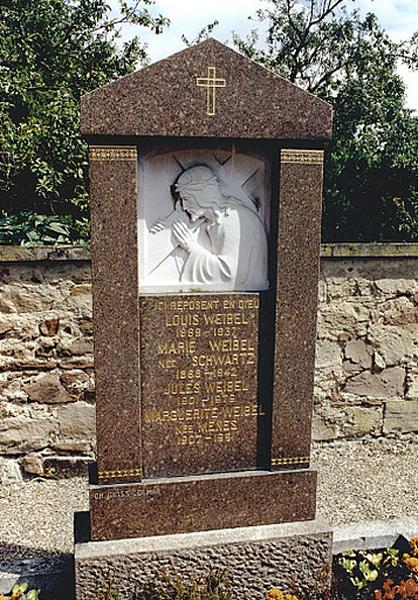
52,52
326,47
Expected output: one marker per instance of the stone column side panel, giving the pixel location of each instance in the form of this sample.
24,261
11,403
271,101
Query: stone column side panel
255,559
299,230
201,503
113,176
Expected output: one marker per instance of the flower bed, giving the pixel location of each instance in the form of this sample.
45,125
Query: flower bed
390,574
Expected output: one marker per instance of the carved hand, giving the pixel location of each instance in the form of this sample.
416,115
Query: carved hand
183,236
158,226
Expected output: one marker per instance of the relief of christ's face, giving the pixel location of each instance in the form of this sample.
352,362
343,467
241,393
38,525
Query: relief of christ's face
192,207
199,191
201,203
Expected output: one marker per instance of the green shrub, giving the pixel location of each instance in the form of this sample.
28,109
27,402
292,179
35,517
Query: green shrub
31,229
51,53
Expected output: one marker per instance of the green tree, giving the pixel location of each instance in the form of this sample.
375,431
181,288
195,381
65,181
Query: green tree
52,52
327,48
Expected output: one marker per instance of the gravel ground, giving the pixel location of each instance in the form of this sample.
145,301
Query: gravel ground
357,482
366,482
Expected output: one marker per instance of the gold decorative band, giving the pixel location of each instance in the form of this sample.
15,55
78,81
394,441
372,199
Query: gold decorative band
302,156
117,153
295,460
120,473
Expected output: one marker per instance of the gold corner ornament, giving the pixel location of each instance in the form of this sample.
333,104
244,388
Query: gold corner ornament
212,83
120,474
294,156
294,460
113,153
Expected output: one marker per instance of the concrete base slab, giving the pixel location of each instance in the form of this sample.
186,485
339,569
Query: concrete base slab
369,535
256,559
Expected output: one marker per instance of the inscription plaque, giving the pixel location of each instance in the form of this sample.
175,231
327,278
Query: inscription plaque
200,412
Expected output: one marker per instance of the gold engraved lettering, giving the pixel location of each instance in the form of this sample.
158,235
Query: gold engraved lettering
180,389
188,332
192,305
198,414
225,332
188,374
214,431
183,320
222,386
219,399
221,373
205,344
224,360
226,318
231,345
242,304
180,347
167,363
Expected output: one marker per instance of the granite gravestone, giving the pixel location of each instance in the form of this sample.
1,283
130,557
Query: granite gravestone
206,176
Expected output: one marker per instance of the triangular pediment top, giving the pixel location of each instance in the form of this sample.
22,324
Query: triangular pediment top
207,90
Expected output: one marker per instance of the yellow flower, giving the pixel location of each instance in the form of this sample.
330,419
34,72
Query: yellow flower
274,594
414,545
411,562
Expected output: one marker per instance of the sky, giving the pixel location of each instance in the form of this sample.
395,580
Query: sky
188,17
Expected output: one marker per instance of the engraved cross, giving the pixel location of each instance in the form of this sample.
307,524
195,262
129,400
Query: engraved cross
211,82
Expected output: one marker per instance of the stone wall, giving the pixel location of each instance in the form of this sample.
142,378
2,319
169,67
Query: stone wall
366,380
47,414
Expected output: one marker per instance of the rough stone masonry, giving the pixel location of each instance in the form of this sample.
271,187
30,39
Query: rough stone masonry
366,382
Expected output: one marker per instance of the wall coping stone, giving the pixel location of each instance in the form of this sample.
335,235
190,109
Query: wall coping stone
370,250
11,254
59,253
372,535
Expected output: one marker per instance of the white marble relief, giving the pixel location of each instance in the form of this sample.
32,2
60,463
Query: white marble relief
202,219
